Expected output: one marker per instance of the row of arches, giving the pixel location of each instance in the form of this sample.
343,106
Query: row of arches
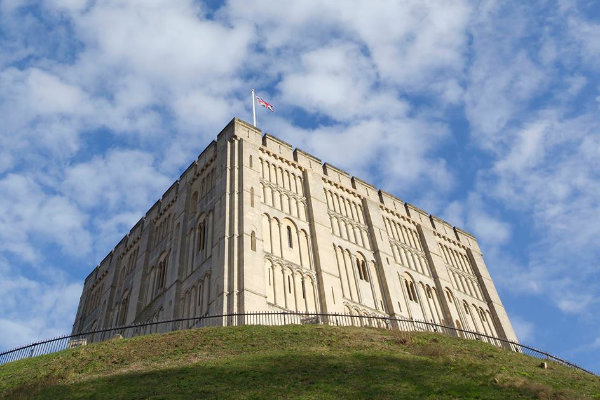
402,234
467,285
284,239
410,259
157,277
354,233
358,278
93,300
155,328
199,242
121,308
456,259
478,320
345,207
207,183
194,301
365,318
471,316
161,230
288,204
281,177
129,265
421,299
290,288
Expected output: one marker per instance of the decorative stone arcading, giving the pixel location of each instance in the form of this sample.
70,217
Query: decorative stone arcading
361,309
288,264
283,190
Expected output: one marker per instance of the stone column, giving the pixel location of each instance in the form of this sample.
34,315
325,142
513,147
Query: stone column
322,249
436,262
500,318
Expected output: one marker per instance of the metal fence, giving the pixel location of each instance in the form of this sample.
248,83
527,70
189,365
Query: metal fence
266,318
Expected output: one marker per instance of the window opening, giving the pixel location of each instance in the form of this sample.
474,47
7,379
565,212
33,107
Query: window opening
289,237
201,235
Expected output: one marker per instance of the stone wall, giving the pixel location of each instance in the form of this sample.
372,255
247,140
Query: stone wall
254,225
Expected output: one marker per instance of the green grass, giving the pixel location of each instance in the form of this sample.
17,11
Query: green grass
300,362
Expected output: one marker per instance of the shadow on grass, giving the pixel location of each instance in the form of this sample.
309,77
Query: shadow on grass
291,375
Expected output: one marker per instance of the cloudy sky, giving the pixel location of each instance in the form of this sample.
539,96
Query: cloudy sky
484,113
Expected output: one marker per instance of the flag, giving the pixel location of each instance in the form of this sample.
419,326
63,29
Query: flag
265,104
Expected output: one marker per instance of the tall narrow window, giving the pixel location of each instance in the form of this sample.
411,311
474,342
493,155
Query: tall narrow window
410,288
414,292
408,291
194,204
304,290
289,237
360,272
123,310
253,241
289,284
250,161
364,270
251,197
201,235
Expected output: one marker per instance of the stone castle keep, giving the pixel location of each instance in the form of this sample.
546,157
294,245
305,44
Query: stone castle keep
253,225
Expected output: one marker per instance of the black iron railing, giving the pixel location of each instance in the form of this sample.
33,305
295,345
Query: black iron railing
266,318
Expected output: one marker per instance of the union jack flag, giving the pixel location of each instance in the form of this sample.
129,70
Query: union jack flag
265,104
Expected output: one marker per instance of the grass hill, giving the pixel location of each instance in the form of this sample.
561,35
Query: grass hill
299,362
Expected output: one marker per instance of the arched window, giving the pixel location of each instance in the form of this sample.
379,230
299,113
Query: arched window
250,161
253,241
289,237
201,235
194,204
482,313
251,196
364,269
161,274
466,308
410,289
459,326
123,309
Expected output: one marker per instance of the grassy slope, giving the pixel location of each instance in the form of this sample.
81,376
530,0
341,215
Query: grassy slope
310,362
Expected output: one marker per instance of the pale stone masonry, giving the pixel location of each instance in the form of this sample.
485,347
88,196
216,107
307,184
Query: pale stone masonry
254,225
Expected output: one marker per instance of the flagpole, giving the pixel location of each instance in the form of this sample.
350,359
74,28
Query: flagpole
253,108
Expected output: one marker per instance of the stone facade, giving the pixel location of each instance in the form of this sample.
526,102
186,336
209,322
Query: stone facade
254,225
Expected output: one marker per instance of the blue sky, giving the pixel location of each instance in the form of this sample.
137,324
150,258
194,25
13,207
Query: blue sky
484,113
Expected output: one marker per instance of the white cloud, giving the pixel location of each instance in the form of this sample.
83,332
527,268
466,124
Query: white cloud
29,215
524,329
32,310
122,180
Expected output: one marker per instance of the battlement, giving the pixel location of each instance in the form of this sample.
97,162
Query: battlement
361,187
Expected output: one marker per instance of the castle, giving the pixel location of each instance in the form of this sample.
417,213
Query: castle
254,225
